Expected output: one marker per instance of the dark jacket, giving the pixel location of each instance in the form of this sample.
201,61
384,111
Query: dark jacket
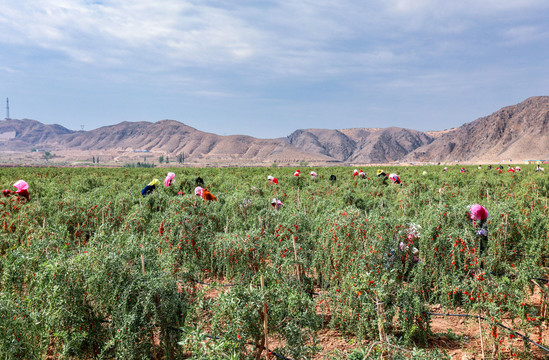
148,190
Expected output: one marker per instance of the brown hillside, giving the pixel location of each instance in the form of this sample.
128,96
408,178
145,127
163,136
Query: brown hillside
516,133
513,133
19,135
360,145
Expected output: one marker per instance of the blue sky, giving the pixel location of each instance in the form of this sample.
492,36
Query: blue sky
267,68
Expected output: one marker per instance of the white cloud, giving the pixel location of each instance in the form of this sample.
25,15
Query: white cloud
303,38
410,6
524,34
92,32
8,69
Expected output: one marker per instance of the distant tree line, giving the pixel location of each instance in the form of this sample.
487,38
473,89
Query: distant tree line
140,165
180,159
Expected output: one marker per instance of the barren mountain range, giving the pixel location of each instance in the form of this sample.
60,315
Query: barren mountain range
518,132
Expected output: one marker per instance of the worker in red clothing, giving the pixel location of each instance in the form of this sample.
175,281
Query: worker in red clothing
204,194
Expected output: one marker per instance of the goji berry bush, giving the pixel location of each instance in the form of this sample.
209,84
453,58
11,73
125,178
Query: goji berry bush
90,268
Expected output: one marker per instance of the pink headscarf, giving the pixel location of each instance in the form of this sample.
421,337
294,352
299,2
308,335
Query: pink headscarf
21,185
313,174
478,212
168,179
198,191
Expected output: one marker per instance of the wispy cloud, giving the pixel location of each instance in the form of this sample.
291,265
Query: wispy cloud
221,50
289,34
7,69
524,34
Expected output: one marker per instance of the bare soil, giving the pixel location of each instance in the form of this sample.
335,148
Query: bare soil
462,338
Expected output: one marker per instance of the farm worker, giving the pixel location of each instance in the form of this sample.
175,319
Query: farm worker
462,170
199,181
204,194
479,213
169,179
150,188
313,175
445,169
22,190
490,167
538,169
297,172
517,168
276,204
208,196
382,176
406,245
413,232
512,170
415,252
362,174
272,179
394,179
480,167
355,172
333,178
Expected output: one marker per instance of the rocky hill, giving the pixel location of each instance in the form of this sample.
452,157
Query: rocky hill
360,145
22,135
515,132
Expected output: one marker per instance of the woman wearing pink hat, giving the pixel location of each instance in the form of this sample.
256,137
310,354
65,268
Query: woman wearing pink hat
22,190
478,213
169,179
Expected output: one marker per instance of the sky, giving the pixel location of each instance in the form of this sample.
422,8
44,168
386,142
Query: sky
268,68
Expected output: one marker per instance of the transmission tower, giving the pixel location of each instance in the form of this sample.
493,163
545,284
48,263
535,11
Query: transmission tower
7,108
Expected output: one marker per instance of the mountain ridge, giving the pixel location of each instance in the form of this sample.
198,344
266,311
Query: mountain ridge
517,132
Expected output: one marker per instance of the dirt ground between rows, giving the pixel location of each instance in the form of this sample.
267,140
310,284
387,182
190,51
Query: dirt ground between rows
462,338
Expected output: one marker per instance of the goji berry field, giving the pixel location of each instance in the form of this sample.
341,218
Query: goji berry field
91,268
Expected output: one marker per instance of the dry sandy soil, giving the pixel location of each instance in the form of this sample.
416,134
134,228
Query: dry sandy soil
461,338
